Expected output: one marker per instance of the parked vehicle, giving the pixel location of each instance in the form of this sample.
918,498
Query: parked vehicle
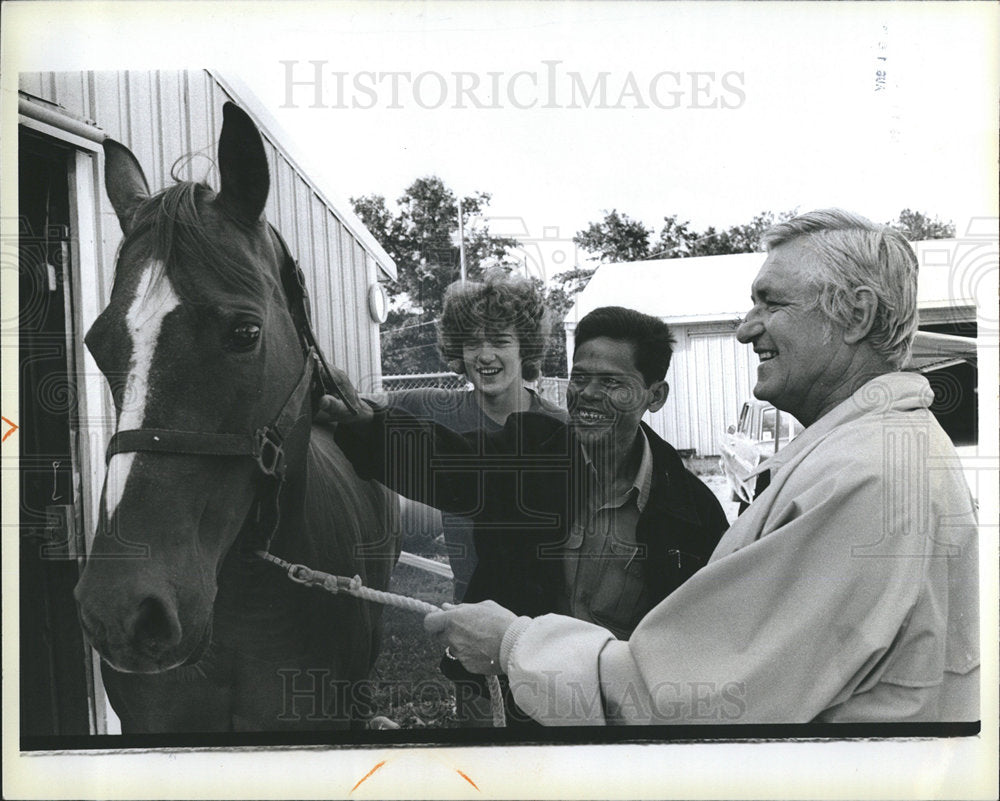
948,362
761,431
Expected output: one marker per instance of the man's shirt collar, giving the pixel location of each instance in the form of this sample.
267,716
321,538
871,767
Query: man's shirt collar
643,479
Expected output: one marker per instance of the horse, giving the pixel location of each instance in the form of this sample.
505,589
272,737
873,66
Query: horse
215,375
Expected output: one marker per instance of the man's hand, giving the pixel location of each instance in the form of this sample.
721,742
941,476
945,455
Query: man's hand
472,633
333,410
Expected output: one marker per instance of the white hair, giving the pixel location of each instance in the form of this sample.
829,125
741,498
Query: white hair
856,252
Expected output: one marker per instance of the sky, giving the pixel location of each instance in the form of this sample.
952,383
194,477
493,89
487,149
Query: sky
711,111
714,112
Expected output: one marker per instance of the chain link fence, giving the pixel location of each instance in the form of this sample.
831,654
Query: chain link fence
552,389
393,383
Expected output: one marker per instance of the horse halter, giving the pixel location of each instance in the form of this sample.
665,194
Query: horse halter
265,445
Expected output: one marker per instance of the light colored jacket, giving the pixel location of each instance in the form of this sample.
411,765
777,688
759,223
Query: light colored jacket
848,591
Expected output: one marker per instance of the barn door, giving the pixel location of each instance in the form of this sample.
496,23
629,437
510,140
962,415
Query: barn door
55,671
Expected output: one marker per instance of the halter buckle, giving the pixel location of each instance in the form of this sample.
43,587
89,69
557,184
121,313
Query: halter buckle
269,453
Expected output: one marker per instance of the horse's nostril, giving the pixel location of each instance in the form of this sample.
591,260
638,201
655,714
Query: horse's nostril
154,628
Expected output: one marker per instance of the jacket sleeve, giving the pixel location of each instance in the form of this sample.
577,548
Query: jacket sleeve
420,460
778,630
465,474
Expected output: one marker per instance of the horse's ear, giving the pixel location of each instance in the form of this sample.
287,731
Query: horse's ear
124,181
242,165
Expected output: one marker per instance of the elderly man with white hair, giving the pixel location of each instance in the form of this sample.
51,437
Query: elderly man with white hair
848,589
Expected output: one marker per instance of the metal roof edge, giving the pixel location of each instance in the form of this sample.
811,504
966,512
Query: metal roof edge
235,86
687,260
714,318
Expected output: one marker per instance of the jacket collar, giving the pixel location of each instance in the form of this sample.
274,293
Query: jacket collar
889,392
667,494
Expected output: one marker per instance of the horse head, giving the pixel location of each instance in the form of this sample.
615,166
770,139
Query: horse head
210,384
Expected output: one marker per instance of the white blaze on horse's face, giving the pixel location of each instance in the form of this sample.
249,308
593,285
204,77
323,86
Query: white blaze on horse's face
154,300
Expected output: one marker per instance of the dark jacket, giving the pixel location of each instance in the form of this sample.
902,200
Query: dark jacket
521,485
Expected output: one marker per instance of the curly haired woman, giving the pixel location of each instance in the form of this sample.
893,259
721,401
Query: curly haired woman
492,332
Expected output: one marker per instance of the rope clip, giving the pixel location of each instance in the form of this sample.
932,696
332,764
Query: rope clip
301,574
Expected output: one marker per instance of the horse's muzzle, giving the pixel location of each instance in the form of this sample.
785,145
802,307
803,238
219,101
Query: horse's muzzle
151,639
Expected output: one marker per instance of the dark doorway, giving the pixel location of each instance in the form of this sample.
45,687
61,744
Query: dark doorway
956,386
54,662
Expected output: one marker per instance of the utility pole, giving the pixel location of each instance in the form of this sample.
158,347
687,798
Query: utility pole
461,242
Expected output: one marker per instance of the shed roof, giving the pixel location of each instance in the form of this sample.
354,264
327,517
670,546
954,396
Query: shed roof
711,288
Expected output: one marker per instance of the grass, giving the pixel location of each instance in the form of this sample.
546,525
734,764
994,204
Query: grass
410,688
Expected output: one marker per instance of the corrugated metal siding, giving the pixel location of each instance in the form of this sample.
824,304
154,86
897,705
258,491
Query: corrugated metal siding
163,116
711,375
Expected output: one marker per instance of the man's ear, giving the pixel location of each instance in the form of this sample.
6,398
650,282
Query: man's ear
658,392
863,318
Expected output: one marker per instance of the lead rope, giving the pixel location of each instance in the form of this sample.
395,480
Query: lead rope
301,574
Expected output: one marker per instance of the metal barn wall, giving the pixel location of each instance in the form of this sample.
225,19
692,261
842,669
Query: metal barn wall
163,116
710,377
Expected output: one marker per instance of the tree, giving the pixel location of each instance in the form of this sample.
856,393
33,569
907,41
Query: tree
422,238
745,238
409,344
676,240
557,303
619,238
615,238
917,226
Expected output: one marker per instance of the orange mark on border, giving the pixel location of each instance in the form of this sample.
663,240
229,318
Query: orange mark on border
13,427
369,773
467,779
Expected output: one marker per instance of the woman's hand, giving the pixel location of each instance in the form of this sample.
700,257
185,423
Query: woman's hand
472,633
333,409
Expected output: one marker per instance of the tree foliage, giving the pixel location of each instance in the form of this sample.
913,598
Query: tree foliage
421,236
617,237
917,226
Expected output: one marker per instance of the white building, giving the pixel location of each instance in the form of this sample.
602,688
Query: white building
703,298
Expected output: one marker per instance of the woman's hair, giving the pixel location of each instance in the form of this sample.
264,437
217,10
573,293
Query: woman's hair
497,303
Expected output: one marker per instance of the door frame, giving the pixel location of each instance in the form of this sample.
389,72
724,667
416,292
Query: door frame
88,290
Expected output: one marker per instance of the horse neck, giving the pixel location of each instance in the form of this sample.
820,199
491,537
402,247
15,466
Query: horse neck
289,535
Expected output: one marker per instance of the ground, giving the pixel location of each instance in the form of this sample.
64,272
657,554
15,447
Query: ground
412,690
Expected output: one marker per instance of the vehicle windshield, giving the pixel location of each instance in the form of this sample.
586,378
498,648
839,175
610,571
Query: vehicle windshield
767,429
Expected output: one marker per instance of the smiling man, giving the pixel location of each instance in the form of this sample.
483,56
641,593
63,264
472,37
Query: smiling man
599,520
620,362
847,592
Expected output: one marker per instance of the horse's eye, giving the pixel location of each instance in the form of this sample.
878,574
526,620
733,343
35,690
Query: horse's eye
244,336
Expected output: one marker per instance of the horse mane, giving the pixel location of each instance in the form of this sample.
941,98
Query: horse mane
172,230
